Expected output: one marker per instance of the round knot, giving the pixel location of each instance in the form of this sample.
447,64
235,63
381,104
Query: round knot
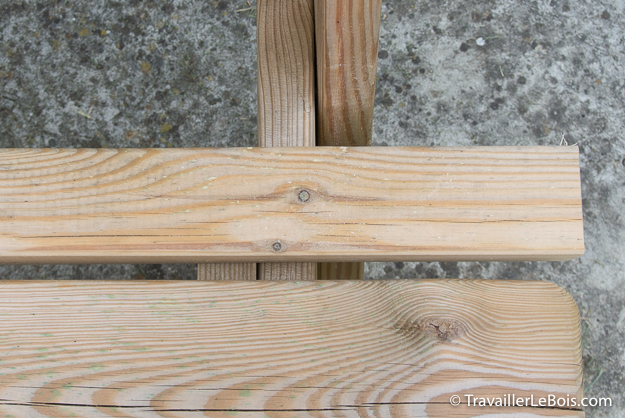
304,196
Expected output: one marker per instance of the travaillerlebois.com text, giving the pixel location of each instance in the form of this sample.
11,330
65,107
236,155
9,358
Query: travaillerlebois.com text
549,401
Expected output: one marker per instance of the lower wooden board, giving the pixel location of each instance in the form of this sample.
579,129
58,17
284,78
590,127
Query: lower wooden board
289,204
281,349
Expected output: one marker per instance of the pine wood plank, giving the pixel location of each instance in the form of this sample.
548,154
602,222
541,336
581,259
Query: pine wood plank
226,271
287,271
286,73
347,34
396,348
286,102
246,204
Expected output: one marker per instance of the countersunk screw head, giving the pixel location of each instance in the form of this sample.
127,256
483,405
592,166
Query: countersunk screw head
304,196
276,246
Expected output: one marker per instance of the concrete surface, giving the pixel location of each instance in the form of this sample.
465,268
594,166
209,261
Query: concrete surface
472,72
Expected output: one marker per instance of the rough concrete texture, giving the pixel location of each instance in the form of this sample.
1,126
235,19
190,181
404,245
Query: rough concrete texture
472,72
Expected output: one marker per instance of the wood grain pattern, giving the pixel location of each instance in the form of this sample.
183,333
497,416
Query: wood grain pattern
321,349
287,271
340,271
286,101
226,271
347,34
286,73
241,204
286,94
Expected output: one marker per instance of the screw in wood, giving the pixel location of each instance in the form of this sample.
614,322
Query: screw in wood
304,196
277,246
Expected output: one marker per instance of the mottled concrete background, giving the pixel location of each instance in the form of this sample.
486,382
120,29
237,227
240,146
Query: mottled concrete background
472,72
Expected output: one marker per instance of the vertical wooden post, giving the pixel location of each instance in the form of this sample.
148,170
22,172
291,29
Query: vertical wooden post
347,36
226,271
286,73
286,94
286,106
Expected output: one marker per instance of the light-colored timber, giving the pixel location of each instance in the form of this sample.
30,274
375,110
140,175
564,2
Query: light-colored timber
286,103
227,271
286,73
286,98
289,204
287,271
347,34
395,349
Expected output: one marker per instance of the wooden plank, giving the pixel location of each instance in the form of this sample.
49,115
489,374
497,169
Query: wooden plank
286,73
286,94
347,34
286,98
397,348
227,271
287,271
289,204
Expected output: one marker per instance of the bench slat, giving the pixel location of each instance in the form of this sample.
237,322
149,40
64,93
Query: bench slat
289,204
397,348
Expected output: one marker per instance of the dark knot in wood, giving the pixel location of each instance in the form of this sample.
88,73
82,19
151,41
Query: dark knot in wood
442,330
304,196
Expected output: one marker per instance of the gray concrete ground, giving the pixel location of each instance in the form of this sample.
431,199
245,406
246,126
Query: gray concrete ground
472,72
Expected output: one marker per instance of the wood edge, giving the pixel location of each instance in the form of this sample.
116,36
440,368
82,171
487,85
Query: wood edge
159,258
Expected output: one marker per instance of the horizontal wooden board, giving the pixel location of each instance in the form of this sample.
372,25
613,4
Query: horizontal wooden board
319,349
289,204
